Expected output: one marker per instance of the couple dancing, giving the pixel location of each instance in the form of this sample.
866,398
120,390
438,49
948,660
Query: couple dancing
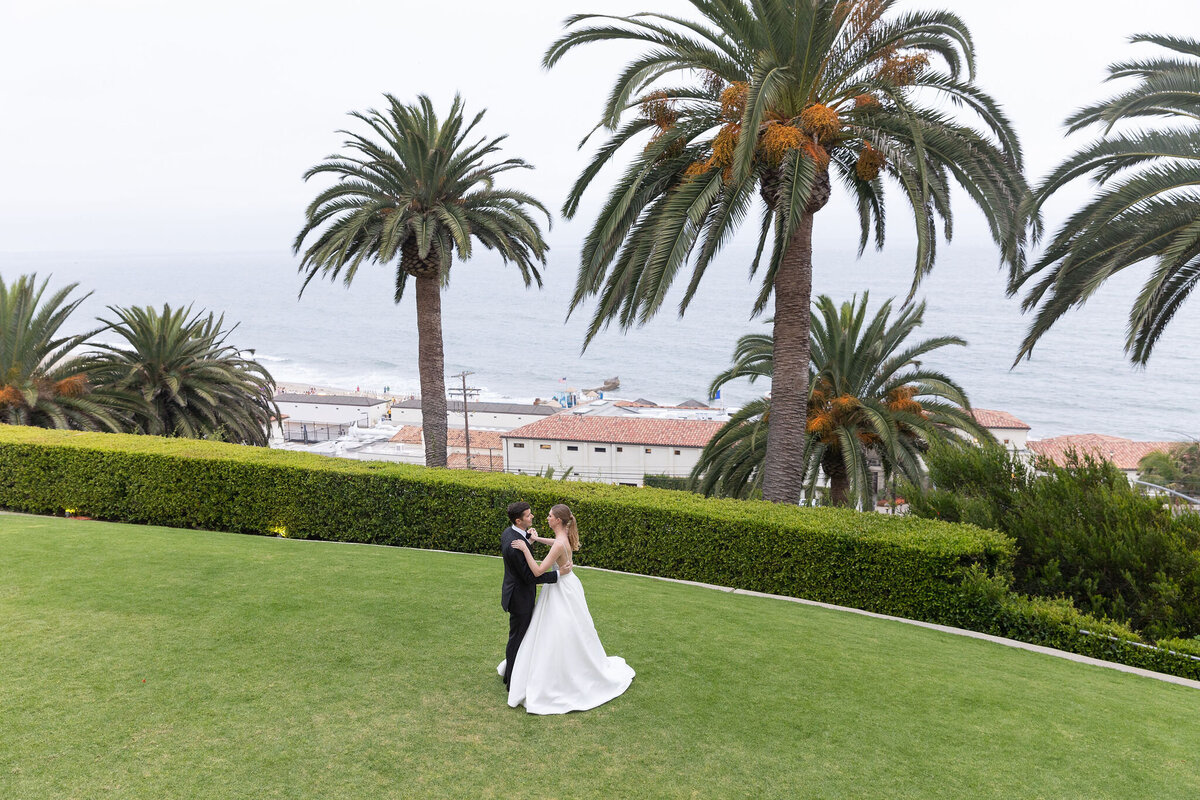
554,662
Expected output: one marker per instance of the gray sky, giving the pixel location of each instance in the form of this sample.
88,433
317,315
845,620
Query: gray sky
132,126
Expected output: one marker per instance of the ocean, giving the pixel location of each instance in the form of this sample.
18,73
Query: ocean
519,345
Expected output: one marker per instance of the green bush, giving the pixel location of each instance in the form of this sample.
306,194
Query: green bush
990,606
1081,531
1189,647
667,482
904,566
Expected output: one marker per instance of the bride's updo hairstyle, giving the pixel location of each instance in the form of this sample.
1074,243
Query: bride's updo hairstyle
564,515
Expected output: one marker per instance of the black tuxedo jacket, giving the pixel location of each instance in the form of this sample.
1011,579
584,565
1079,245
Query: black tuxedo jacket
520,584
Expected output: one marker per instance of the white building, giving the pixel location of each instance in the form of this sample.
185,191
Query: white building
497,416
644,409
321,417
608,449
1008,430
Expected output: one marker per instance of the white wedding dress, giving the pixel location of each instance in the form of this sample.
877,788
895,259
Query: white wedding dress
561,665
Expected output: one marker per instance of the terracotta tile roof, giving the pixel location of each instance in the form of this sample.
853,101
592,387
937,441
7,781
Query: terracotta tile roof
409,434
997,419
479,461
1124,453
482,440
455,437
619,430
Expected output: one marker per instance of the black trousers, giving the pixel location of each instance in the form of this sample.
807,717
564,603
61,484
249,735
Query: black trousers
519,618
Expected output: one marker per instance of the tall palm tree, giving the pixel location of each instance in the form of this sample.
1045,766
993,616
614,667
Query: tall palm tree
176,375
868,395
1147,205
42,380
415,195
772,99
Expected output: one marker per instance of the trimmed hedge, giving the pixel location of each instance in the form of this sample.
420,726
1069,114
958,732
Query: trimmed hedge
990,606
904,566
666,482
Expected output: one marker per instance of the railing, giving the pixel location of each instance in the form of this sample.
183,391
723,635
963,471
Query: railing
1171,492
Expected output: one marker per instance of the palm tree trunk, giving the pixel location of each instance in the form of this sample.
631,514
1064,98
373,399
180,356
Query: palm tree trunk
783,468
839,481
431,365
783,477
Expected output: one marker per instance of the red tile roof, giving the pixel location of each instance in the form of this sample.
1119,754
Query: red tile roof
482,440
619,430
409,434
1124,453
479,461
455,437
997,419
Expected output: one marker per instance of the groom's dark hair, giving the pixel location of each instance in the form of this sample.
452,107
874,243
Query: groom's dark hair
517,510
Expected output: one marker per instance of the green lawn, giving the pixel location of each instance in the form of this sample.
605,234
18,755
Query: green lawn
155,663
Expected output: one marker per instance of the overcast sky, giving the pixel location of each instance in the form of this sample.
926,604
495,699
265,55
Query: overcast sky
131,126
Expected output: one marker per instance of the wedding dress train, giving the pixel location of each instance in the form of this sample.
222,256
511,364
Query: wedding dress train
561,665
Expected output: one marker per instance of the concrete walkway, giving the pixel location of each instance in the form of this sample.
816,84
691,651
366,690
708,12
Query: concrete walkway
1036,648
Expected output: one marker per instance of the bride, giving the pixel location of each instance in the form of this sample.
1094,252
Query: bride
561,665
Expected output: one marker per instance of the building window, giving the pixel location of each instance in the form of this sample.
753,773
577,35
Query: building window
1006,441
572,447
648,450
676,452
518,444
544,446
629,484
620,449
601,449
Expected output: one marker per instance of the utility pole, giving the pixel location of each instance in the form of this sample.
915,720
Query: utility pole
466,392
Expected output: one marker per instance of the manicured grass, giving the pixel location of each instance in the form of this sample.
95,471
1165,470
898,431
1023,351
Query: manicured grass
152,663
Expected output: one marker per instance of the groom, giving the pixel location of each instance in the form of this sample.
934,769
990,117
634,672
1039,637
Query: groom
520,586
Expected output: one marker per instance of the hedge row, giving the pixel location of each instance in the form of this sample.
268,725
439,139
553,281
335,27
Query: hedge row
990,606
908,567
666,482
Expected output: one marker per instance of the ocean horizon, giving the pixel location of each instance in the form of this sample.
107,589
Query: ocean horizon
519,344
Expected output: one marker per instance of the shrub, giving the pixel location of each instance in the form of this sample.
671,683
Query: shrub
990,606
1081,531
667,482
904,566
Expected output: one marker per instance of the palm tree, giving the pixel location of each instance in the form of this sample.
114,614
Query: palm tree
1146,206
416,195
41,382
176,375
790,95
869,395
